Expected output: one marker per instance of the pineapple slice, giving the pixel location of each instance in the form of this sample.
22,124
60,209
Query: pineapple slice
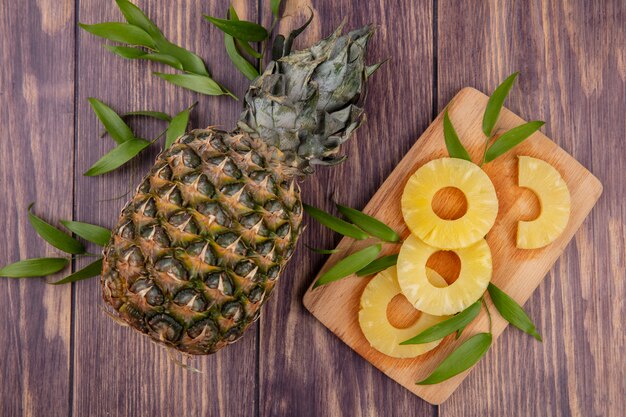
383,336
546,182
475,274
482,203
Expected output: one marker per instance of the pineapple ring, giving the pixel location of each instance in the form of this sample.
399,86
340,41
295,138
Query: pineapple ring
475,274
381,334
548,185
482,203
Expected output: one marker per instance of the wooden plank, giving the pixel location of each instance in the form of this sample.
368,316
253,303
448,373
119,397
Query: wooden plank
117,371
304,369
516,271
37,119
571,56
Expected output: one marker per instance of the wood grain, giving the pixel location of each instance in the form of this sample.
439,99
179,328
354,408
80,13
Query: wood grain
516,271
117,372
573,64
571,57
37,120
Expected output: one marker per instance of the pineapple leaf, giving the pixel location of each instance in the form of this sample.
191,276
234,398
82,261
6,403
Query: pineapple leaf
453,143
198,83
294,34
278,47
378,265
35,267
54,236
120,32
322,251
135,16
463,358
91,270
112,122
512,138
334,223
495,103
90,232
453,324
275,7
177,127
240,29
511,311
349,265
370,224
117,157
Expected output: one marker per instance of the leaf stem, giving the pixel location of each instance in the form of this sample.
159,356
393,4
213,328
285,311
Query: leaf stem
488,312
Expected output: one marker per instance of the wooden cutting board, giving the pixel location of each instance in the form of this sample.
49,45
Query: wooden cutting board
517,272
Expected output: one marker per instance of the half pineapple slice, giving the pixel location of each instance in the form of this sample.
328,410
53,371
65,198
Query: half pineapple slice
548,185
381,334
475,274
482,203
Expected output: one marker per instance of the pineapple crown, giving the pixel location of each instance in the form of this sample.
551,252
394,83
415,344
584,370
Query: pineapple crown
306,103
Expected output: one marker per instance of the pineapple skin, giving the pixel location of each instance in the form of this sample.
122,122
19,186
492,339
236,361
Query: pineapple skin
199,248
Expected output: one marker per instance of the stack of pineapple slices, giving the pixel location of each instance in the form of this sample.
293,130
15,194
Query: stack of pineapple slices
426,290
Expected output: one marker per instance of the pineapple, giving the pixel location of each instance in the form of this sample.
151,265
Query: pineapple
482,203
381,334
553,194
475,274
198,249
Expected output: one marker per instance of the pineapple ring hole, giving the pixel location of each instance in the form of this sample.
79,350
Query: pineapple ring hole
449,203
400,313
446,263
530,205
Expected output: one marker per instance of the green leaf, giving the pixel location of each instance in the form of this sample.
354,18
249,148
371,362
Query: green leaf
446,327
245,46
349,265
295,33
36,267
335,224
191,62
135,16
495,103
126,51
241,63
512,138
198,83
112,122
96,234
177,127
322,251
463,358
511,311
378,265
240,29
454,145
275,7
149,113
91,270
136,53
163,59
278,47
120,32
54,236
117,157
368,223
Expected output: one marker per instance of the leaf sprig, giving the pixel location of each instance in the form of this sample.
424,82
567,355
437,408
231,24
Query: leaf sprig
145,41
499,145
128,144
39,267
365,261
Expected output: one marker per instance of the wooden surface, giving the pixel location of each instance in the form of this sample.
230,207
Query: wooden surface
517,272
61,356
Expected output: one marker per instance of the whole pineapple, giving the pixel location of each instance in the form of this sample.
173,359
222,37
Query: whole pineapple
199,248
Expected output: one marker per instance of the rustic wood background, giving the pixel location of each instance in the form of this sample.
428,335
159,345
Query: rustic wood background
61,356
